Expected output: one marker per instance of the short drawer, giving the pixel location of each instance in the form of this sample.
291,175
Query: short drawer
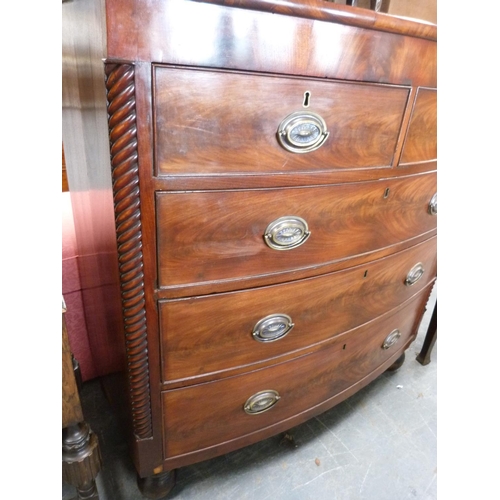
222,122
208,236
205,415
421,139
205,335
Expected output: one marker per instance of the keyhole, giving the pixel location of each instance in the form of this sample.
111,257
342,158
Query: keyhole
307,98
344,346
366,274
386,192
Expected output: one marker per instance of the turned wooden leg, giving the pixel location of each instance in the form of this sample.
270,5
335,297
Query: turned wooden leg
424,357
81,456
81,460
158,485
397,364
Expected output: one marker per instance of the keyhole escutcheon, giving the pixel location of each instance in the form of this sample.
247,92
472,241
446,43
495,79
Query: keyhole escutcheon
307,99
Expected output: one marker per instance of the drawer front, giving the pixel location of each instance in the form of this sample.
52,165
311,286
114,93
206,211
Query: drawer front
261,324
421,140
205,415
210,122
220,235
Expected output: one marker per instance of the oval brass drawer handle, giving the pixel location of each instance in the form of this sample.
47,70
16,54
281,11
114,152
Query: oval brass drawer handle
415,273
272,327
391,339
261,402
286,233
433,205
302,132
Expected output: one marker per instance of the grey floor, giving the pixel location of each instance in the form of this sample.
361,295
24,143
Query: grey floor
380,444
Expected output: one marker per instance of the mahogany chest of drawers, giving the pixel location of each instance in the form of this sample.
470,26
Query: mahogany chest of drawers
273,171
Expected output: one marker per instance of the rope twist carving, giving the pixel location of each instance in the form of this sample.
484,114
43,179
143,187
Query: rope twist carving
124,165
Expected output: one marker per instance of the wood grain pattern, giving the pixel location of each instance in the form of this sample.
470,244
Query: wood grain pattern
71,409
235,38
195,227
218,235
122,133
320,10
210,287
199,182
193,329
302,383
284,425
210,122
149,452
421,139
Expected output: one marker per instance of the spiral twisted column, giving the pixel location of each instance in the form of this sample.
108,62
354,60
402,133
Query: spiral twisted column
124,165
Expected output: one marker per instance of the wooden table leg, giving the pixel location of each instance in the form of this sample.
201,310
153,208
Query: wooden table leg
81,460
81,456
424,357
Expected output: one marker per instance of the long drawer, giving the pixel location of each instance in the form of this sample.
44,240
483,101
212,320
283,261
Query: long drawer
257,325
209,236
215,122
205,415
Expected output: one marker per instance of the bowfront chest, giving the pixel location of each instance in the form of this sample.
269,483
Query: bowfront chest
273,170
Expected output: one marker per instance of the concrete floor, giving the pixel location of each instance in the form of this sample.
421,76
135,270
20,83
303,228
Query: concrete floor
380,444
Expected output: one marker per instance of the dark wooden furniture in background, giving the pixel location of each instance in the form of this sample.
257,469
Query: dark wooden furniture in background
273,187
81,458
65,186
424,356
375,5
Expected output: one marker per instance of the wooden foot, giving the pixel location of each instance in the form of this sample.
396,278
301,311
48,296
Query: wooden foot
81,460
397,364
158,485
87,491
424,357
288,439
